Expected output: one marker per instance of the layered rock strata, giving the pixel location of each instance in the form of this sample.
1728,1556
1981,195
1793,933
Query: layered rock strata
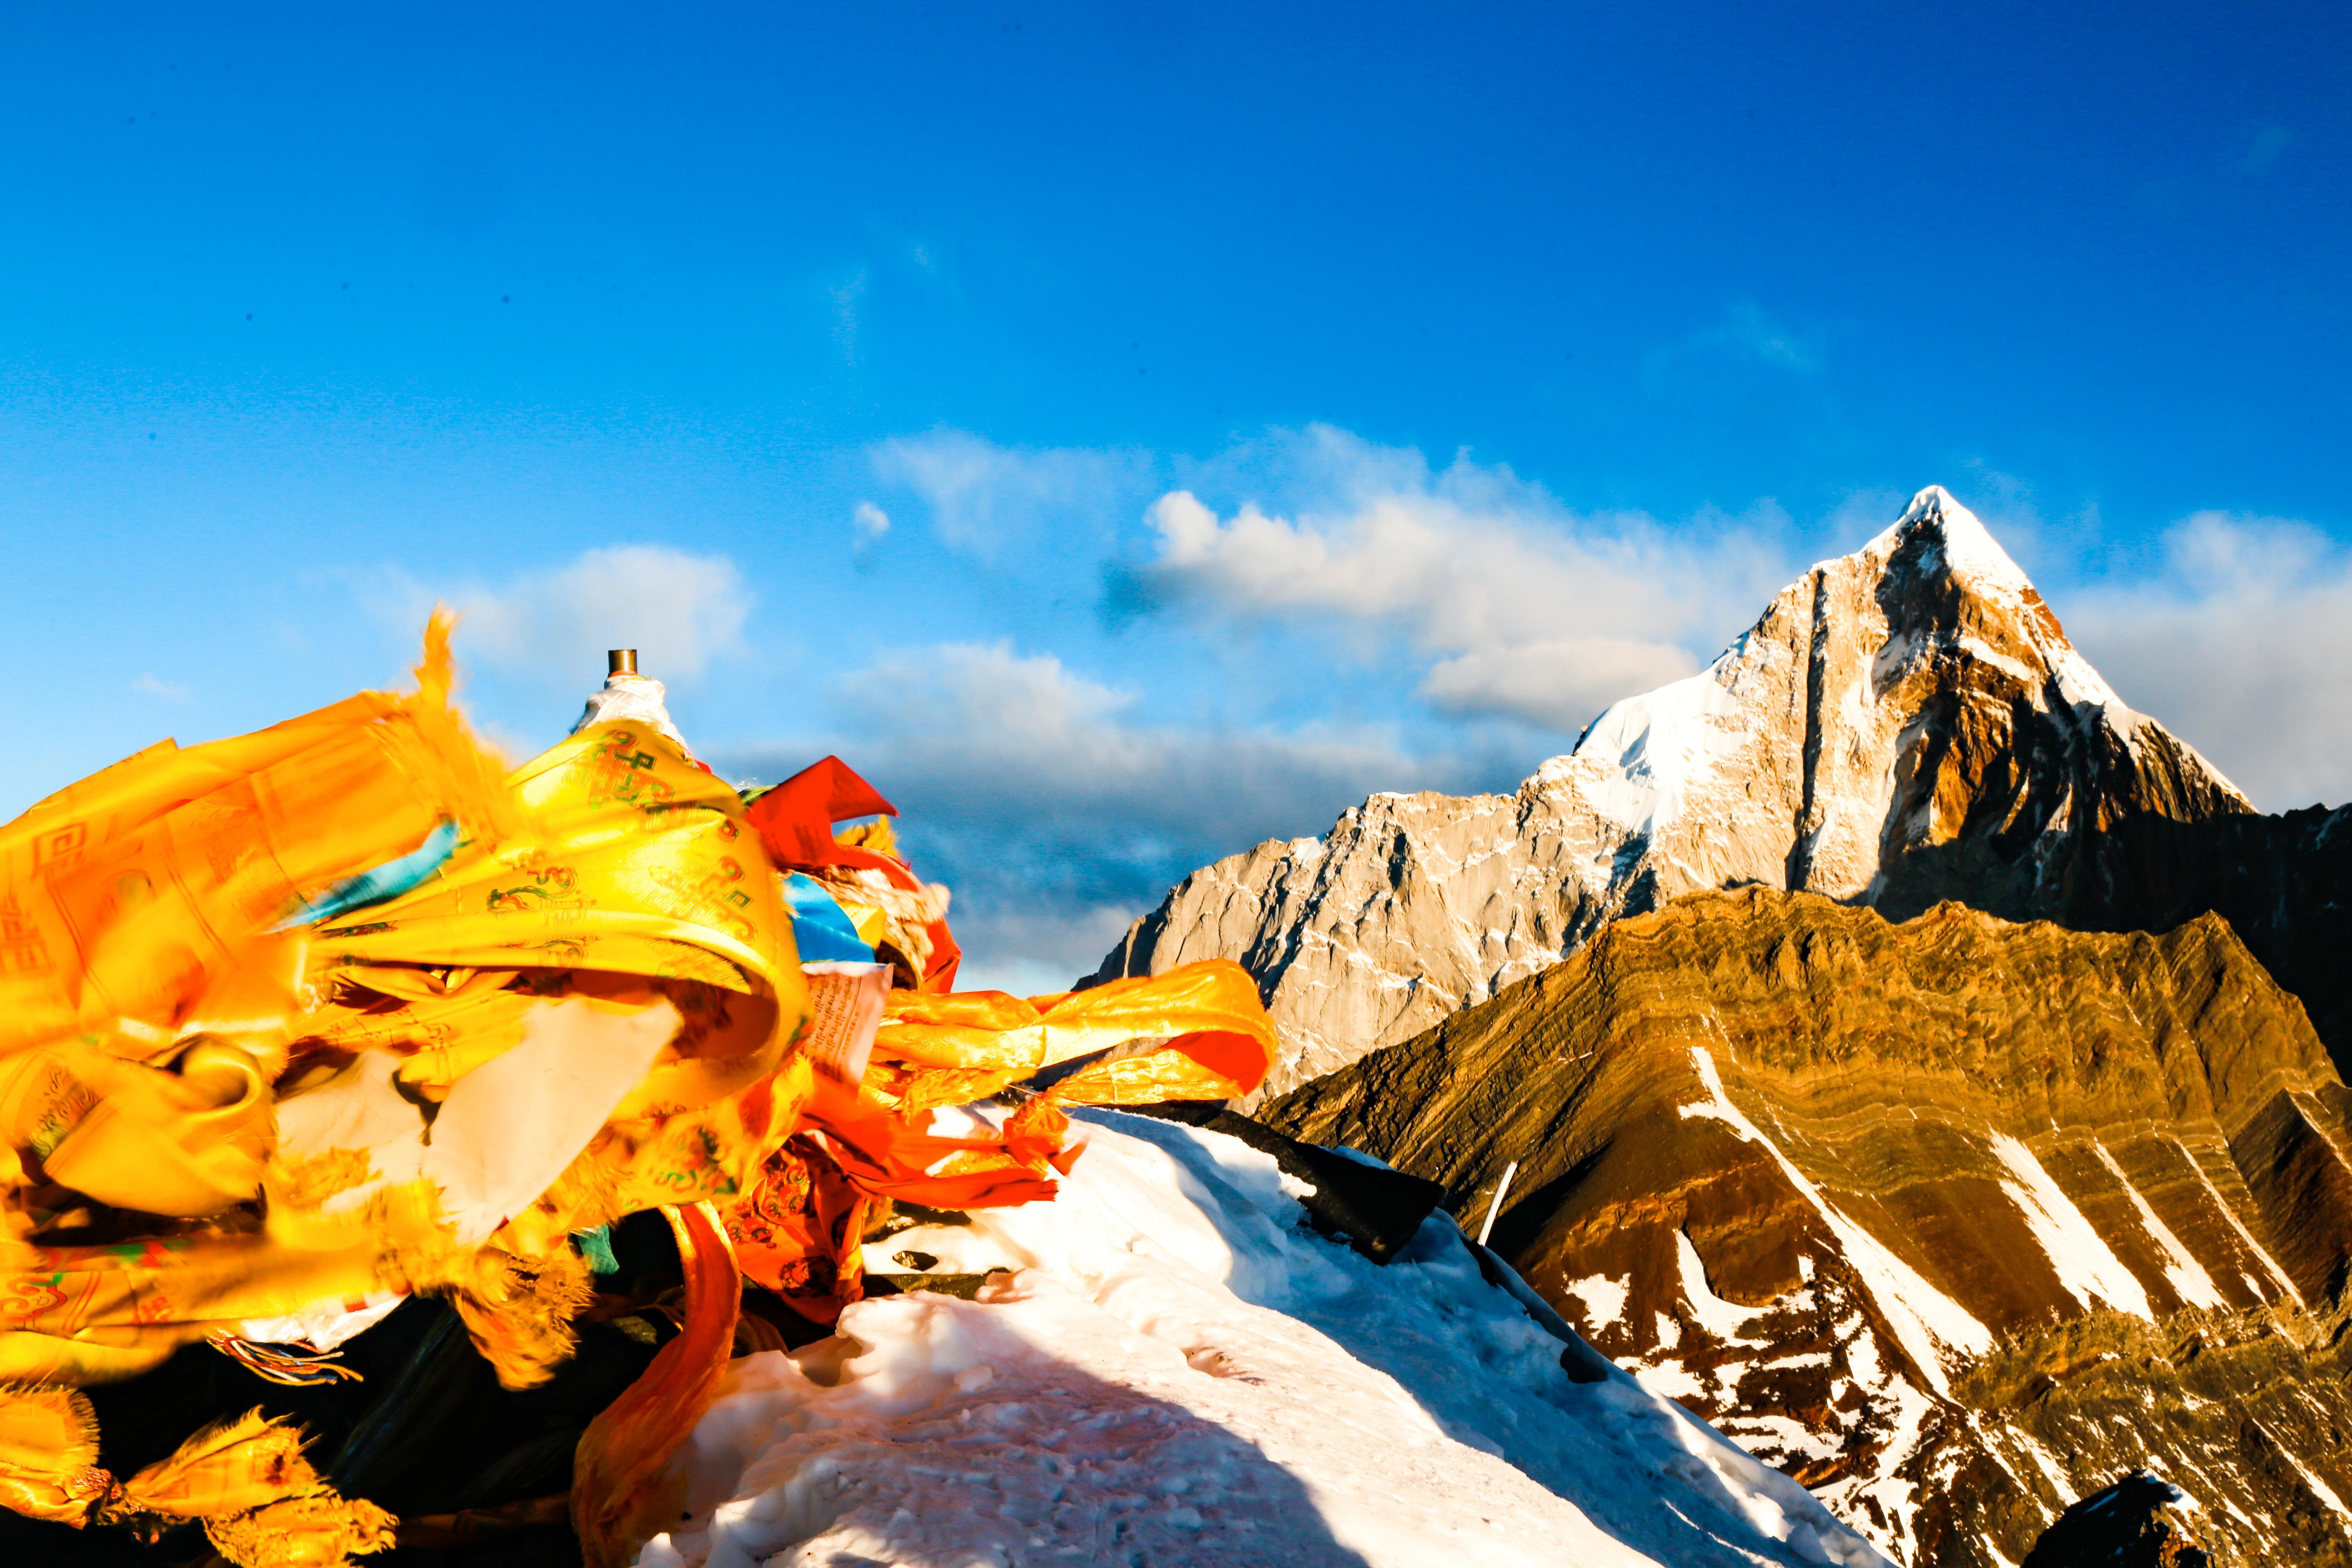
1905,724
1955,1220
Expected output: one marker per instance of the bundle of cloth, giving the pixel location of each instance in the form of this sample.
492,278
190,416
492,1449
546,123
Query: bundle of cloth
298,1026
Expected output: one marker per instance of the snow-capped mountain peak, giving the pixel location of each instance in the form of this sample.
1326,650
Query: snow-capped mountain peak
1968,548
1903,724
1931,604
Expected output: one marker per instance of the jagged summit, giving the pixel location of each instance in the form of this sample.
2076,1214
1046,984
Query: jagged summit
1949,610
1938,540
1935,521
1903,724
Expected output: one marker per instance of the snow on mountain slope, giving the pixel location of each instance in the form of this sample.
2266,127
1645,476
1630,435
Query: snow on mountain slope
1178,1370
1905,724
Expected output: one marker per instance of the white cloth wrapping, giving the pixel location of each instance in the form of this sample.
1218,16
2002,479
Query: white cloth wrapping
507,1129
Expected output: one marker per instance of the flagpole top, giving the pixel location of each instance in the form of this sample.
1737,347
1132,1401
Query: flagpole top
621,662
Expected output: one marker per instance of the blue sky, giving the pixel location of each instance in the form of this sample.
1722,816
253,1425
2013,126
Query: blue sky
860,365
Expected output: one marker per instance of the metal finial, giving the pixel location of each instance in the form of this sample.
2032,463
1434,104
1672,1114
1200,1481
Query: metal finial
621,662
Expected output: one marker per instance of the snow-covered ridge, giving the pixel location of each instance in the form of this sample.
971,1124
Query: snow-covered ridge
1178,1370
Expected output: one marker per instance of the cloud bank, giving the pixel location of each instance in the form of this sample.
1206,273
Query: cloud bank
1519,606
2238,644
1054,815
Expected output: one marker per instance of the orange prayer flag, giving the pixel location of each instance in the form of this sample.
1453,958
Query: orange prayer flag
621,1493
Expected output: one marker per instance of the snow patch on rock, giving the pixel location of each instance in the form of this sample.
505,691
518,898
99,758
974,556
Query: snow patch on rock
2085,1265
2188,1277
1924,1318
1603,1296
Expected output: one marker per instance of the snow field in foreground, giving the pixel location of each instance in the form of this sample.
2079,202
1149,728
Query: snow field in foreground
1179,1370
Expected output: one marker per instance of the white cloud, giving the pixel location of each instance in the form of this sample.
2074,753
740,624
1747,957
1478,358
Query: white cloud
1524,607
170,690
1012,738
1454,579
870,521
984,497
2239,645
678,611
1561,684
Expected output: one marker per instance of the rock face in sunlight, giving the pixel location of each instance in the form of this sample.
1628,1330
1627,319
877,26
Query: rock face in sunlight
1902,725
1955,1220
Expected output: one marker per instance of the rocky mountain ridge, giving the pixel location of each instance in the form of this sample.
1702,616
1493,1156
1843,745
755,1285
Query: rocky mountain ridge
1903,724
2284,883
1956,1220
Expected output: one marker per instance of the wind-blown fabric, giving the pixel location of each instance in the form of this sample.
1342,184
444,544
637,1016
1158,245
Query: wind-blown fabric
244,1479
297,1024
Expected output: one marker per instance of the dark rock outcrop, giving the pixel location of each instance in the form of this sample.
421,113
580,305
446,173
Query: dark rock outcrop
2136,1524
